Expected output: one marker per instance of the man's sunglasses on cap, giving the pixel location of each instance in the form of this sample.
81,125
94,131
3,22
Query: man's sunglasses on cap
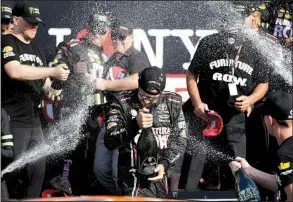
150,98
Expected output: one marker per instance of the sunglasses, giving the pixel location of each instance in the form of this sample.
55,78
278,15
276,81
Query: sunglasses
98,31
144,95
119,37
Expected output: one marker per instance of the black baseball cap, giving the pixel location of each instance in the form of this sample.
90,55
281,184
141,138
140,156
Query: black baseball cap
152,78
98,23
121,30
28,12
6,12
279,106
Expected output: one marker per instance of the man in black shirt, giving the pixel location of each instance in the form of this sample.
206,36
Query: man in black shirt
25,76
132,61
232,76
278,115
125,56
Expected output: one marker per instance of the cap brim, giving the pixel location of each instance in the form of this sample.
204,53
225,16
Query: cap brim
34,20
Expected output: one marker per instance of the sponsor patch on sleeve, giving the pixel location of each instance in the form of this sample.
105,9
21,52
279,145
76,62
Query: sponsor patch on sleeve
284,166
7,49
111,125
8,52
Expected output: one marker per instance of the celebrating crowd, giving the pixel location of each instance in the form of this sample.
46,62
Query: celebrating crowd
138,139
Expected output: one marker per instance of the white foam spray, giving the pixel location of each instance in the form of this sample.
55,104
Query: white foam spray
62,138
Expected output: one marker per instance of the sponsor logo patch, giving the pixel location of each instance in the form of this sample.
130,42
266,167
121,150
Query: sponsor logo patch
111,125
7,49
284,166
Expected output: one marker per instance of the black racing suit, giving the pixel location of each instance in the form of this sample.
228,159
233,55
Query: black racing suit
122,132
75,53
77,95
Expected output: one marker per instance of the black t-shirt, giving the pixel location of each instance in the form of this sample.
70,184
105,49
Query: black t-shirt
284,165
133,61
210,62
20,98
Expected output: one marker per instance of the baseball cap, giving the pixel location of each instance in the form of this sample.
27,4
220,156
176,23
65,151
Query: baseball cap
279,106
152,78
30,13
121,30
215,124
6,12
98,23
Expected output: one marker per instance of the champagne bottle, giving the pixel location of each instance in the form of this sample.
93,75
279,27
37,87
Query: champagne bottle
147,150
246,188
57,86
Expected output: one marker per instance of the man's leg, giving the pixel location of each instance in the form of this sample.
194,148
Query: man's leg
4,191
106,165
36,171
196,148
236,139
21,139
174,174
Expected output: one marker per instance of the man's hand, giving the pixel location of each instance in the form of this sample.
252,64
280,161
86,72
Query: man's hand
253,21
61,72
234,166
144,119
243,103
161,172
249,110
52,95
101,84
200,109
239,163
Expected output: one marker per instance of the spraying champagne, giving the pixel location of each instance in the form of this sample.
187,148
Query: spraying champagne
245,187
